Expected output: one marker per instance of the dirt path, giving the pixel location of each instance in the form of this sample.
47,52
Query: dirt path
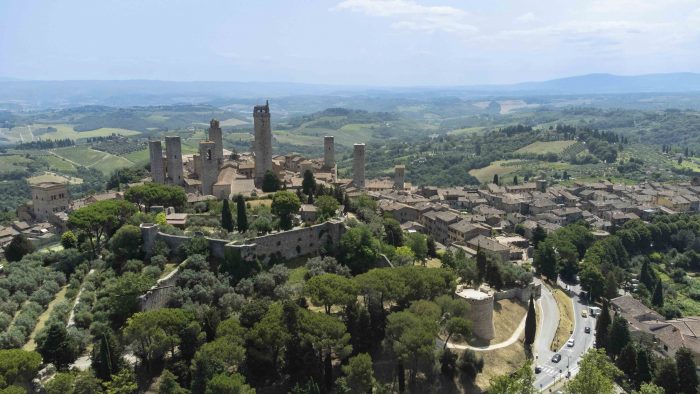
41,322
513,338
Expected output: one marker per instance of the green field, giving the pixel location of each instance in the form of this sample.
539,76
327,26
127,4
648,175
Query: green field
66,131
85,156
544,147
500,167
10,163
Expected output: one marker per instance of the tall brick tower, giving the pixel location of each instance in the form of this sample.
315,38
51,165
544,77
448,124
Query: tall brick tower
209,166
156,154
216,137
263,141
328,151
173,151
399,177
358,166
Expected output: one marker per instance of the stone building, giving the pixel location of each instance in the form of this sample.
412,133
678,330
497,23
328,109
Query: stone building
399,177
209,166
328,151
263,141
49,198
358,166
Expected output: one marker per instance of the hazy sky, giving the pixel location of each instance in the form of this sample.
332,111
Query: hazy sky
372,42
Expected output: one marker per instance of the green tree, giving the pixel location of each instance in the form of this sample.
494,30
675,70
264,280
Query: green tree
418,244
55,347
269,336
271,182
538,235
124,292
359,249
432,248
456,327
602,327
18,367
592,280
519,382
150,194
226,219
241,216
126,243
495,179
666,375
530,324
169,385
643,371
87,383
285,204
100,219
627,360
596,375
413,340
223,354
62,383
650,388
546,260
69,240
328,337
393,233
687,375
123,382
327,207
106,355
359,372
18,248
515,179
228,384
619,336
330,289
308,184
403,255
610,291
657,298
151,334
647,276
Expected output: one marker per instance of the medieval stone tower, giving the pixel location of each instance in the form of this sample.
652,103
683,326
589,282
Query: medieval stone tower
263,141
173,151
358,166
157,170
399,177
209,166
328,151
216,137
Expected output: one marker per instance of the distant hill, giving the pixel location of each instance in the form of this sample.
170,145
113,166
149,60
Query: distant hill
609,84
25,94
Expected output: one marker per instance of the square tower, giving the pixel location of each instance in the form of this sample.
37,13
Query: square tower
173,151
209,166
263,141
156,155
215,136
358,166
328,151
49,198
399,177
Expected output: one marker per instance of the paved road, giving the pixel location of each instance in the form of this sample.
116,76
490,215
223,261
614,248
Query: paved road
570,356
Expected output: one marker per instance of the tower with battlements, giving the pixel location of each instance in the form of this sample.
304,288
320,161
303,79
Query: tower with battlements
358,166
173,152
208,167
215,136
156,156
328,151
399,177
263,141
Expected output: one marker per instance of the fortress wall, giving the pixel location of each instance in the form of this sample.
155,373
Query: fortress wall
159,295
481,315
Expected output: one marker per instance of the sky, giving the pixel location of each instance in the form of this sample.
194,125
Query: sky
346,42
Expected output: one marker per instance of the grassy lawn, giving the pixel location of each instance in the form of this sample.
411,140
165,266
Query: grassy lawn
500,167
501,361
296,275
566,319
544,147
41,322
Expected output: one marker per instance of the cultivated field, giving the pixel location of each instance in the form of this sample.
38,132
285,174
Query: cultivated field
544,147
82,155
51,177
9,163
66,131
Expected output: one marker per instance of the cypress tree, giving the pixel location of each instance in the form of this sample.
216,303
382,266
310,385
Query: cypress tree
432,249
241,217
515,179
646,276
687,376
666,375
18,248
643,374
619,336
657,298
481,263
627,361
308,185
226,219
602,327
495,179
530,324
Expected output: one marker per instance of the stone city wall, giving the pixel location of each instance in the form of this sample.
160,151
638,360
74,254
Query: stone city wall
158,296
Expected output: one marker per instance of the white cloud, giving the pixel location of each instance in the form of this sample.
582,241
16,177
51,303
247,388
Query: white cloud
526,17
410,15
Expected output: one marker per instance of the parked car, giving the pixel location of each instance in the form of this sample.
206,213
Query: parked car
587,330
556,358
584,313
570,342
538,369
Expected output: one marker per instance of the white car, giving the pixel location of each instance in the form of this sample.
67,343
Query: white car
570,342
